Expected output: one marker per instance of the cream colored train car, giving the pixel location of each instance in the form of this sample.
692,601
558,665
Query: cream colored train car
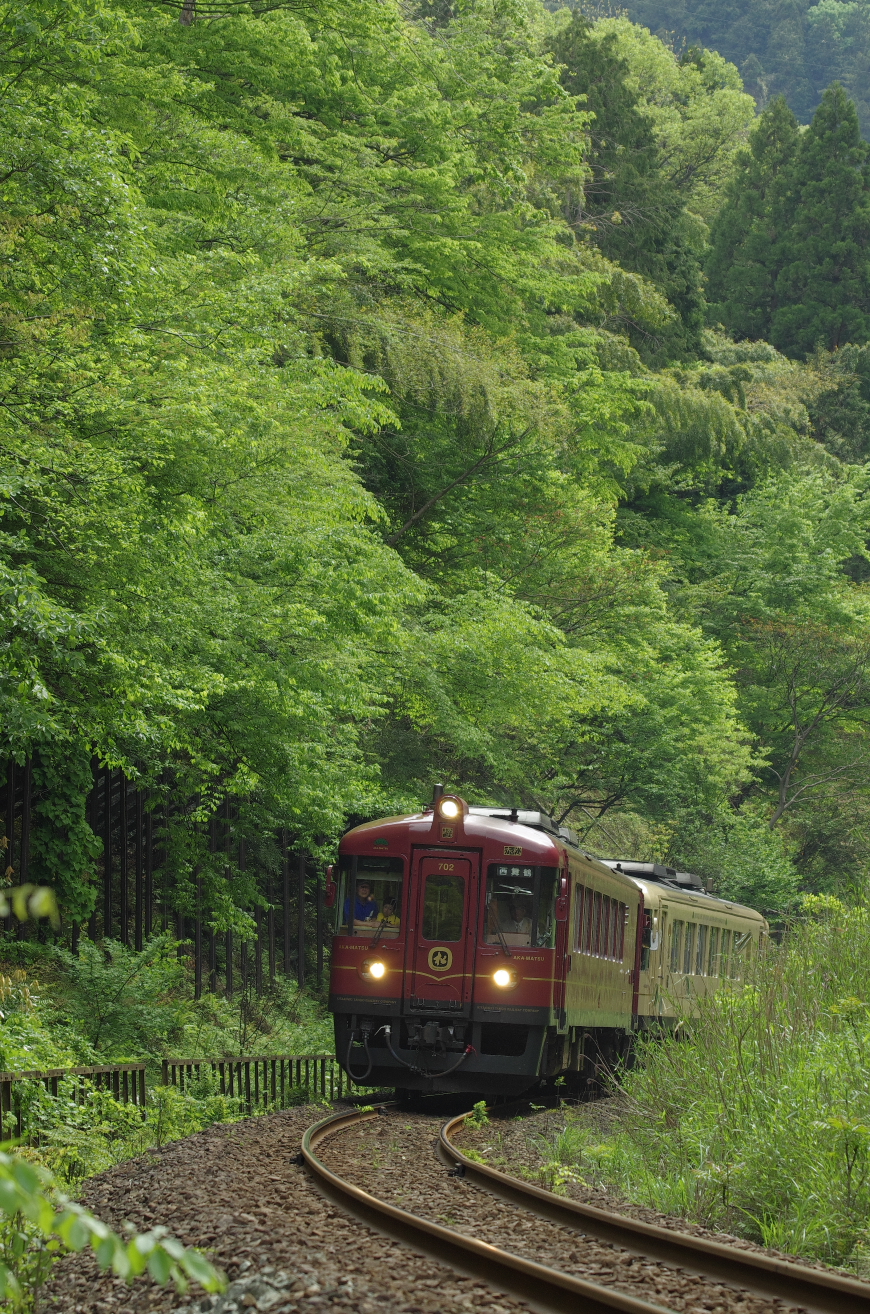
645,943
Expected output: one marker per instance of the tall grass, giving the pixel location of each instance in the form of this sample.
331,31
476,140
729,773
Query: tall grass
755,1117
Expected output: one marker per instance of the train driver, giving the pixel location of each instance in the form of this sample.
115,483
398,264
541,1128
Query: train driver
365,906
518,921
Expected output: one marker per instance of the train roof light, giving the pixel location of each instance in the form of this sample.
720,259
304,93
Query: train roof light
449,808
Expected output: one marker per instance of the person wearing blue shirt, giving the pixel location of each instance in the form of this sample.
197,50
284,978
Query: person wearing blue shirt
365,905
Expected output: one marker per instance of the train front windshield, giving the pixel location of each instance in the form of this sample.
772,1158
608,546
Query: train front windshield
520,906
370,897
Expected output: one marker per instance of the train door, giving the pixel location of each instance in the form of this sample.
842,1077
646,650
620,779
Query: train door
563,948
441,946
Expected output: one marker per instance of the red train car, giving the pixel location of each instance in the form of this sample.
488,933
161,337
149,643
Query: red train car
478,949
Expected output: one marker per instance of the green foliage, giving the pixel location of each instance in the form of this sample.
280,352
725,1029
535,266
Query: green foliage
120,1000
794,52
696,103
478,1117
743,261
823,288
629,205
754,1118
743,858
331,367
788,261
39,1223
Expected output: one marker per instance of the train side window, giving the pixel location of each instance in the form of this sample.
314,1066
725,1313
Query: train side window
701,955
689,949
580,893
596,922
646,942
443,907
713,968
604,935
601,922
369,897
740,951
619,921
723,953
588,922
545,921
676,945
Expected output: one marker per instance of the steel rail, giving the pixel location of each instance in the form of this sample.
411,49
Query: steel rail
814,1290
544,1289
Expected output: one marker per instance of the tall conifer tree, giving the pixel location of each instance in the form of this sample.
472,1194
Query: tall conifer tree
823,287
743,264
630,209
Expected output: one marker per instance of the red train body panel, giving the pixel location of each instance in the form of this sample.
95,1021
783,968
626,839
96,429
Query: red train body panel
474,952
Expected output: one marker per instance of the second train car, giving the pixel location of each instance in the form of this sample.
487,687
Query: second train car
480,950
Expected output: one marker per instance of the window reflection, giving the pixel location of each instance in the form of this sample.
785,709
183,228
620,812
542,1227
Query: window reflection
443,907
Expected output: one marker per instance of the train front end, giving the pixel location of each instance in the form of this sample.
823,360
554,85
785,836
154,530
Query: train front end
448,927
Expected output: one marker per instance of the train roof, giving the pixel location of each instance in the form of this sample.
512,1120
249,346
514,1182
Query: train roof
549,831
537,821
686,881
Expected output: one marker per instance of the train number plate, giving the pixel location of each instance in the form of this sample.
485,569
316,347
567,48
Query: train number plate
513,850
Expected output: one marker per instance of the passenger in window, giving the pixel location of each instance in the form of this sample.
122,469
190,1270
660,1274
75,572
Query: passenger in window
388,915
518,921
365,907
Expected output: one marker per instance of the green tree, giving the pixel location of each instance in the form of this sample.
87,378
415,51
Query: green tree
745,239
628,206
823,287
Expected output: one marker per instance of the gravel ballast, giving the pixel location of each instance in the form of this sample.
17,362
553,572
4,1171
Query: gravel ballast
394,1158
236,1192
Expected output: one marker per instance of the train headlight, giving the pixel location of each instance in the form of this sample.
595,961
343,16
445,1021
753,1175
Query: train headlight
375,969
504,978
449,808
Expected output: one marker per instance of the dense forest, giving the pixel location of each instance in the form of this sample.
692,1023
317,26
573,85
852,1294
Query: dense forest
397,391
365,423
794,50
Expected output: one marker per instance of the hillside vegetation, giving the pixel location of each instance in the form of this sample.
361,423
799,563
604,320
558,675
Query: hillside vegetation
795,51
409,390
363,425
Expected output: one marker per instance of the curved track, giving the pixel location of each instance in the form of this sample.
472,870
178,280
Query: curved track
548,1289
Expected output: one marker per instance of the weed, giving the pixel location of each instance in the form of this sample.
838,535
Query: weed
478,1117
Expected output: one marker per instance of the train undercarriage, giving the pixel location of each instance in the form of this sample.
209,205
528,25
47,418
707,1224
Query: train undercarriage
443,1054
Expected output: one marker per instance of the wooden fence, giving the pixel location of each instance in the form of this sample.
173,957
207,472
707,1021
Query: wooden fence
259,1082
125,1081
263,1081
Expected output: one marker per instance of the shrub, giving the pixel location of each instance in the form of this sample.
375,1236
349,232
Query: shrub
755,1116
122,1001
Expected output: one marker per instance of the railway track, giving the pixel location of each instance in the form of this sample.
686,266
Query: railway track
549,1288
